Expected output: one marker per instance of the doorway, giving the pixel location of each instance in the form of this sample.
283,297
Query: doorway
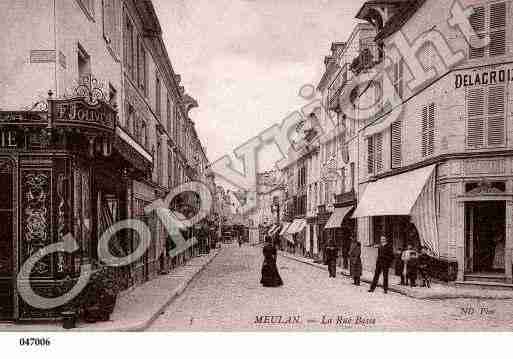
7,238
485,224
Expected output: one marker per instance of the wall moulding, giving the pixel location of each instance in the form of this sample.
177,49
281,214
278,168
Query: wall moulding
485,167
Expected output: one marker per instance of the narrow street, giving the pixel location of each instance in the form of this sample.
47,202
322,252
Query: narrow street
228,296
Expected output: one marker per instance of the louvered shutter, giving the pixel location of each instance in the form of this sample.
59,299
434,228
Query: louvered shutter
379,152
370,155
477,20
396,144
424,144
476,113
496,116
498,29
431,130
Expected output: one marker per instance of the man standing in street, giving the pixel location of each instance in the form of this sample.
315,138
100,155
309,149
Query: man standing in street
383,262
331,258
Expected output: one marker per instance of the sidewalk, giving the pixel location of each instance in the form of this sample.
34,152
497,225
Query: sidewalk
436,292
137,308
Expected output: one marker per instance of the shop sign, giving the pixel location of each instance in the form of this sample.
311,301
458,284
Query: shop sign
484,78
22,117
79,111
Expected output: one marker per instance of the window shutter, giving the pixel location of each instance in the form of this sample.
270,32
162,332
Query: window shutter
496,116
476,112
379,152
477,20
396,144
498,29
424,144
370,155
431,130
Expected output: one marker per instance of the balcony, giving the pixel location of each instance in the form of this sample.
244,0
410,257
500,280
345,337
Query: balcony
370,56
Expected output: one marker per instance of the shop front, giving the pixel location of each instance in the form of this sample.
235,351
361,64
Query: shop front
311,237
297,237
58,177
342,226
403,209
476,215
323,216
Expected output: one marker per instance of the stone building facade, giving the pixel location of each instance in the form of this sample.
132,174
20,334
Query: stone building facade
96,126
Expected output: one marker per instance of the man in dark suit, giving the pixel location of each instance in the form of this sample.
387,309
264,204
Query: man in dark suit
383,262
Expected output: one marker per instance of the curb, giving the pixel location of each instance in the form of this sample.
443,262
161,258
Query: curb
395,289
174,295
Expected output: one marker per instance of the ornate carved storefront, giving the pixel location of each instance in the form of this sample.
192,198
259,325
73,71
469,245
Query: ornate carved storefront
59,175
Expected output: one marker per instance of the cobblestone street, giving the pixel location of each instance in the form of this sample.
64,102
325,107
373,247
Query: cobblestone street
228,296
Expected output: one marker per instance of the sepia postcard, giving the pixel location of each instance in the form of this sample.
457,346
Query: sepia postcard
256,166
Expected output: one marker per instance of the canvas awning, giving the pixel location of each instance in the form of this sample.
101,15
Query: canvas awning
286,225
408,194
297,226
393,196
337,217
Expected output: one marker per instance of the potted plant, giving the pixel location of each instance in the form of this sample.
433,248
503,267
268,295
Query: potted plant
100,295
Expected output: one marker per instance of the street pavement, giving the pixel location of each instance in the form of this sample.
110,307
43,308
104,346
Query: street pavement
227,296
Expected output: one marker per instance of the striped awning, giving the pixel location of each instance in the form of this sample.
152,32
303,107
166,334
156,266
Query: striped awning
337,217
297,226
408,194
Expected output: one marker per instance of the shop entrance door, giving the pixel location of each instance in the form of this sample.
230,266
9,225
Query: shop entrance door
7,238
485,237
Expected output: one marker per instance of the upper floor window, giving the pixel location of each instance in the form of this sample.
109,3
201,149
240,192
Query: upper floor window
159,160
396,144
399,78
489,20
111,24
428,130
486,110
375,154
129,47
88,7
142,67
130,125
84,63
158,96
169,115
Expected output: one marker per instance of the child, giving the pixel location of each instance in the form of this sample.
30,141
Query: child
399,265
423,267
409,258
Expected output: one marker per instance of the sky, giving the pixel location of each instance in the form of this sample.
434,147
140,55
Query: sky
245,60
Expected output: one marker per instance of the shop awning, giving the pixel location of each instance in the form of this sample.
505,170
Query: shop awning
338,216
393,196
408,194
297,226
132,152
286,225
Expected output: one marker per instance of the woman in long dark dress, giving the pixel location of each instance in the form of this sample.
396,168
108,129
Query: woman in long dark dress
355,261
270,275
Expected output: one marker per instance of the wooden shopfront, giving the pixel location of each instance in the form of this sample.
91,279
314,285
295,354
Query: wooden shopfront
59,175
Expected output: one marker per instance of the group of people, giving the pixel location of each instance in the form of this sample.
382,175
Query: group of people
409,266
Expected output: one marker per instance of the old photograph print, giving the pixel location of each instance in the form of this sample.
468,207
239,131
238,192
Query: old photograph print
256,165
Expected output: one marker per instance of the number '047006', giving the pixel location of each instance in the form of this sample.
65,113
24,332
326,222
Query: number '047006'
39,342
